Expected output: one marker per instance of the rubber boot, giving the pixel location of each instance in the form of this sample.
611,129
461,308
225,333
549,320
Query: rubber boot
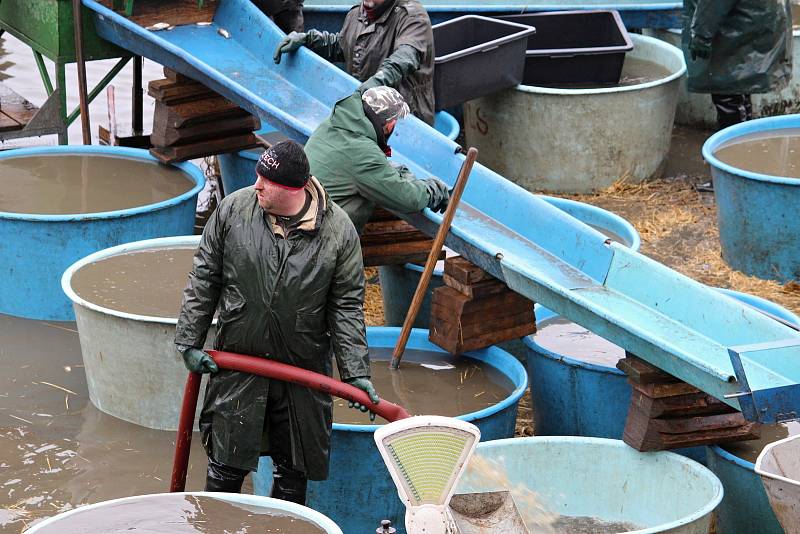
287,484
732,109
224,478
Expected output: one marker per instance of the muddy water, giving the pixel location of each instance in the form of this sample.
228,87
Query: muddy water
749,450
561,336
430,383
611,235
591,525
56,450
147,282
634,72
85,184
774,153
182,514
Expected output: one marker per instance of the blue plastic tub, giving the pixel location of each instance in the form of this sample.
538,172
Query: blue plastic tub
605,479
36,249
757,214
359,492
745,509
574,398
252,502
238,169
398,282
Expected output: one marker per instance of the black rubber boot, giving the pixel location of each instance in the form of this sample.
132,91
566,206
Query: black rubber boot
224,478
732,109
287,484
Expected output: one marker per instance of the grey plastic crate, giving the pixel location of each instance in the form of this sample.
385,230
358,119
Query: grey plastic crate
476,56
574,47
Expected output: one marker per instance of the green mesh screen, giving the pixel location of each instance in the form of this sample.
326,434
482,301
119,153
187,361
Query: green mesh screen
428,460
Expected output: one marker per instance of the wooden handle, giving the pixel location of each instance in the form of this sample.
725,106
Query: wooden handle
433,257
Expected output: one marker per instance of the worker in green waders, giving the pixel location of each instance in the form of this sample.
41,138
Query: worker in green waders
391,40
281,266
735,48
349,153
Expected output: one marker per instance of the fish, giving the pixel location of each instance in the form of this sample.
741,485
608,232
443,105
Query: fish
225,33
158,26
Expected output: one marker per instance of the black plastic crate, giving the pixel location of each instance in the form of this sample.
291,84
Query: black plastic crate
574,47
476,56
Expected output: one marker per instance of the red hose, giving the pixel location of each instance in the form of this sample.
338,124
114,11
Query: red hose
270,369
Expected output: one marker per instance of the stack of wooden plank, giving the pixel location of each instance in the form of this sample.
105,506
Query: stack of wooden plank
192,121
388,240
667,413
15,111
474,310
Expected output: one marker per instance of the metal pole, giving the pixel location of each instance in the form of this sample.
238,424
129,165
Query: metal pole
138,107
78,23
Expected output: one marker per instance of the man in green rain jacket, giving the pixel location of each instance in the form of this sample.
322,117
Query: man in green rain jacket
735,48
348,152
281,264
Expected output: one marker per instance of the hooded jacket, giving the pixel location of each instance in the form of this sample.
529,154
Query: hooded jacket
344,154
293,300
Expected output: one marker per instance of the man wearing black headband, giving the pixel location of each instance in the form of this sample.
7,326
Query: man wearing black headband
281,265
391,40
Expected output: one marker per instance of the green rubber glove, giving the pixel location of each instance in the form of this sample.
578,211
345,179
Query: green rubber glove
438,194
290,43
366,386
198,361
699,48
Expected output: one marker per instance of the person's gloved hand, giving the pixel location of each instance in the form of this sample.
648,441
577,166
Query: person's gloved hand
290,43
365,385
198,361
699,48
438,194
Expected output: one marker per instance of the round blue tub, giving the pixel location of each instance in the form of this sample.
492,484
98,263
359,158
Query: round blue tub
36,249
745,509
605,479
574,398
757,214
262,504
238,169
359,491
399,282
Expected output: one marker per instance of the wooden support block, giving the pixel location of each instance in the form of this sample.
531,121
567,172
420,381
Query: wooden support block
172,154
198,132
463,271
15,111
452,303
458,345
679,406
125,137
386,232
658,391
388,240
171,93
478,290
397,253
195,112
176,76
641,372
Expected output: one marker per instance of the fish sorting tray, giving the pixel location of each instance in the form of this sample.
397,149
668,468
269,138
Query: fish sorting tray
574,47
477,56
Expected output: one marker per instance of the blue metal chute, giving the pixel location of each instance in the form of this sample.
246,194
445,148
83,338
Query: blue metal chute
668,319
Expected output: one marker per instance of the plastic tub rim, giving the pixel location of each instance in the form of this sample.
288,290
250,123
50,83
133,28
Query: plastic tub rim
490,355
730,133
769,474
190,170
666,47
688,463
531,344
133,246
304,512
524,31
587,50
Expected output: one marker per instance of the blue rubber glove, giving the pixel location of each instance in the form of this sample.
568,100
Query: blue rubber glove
366,386
198,361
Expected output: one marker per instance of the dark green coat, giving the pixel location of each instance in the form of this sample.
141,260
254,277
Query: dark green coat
751,45
344,155
291,300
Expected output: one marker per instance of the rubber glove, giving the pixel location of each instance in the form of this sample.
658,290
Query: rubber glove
365,385
401,63
290,43
699,47
438,194
324,43
198,361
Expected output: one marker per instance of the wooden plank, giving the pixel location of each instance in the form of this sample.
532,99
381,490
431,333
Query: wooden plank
658,391
457,345
196,112
386,232
15,108
691,404
450,328
189,134
175,12
465,272
7,124
641,372
173,154
477,290
382,214
127,139
452,303
176,76
170,92
397,253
